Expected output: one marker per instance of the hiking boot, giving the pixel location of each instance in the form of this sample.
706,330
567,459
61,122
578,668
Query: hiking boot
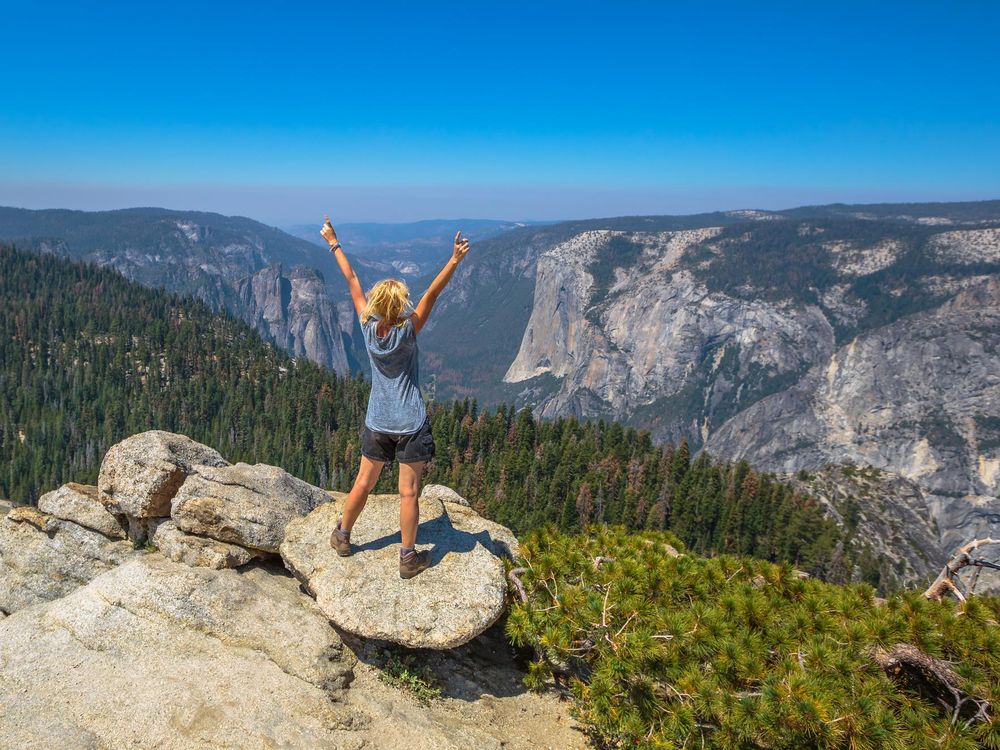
341,541
413,562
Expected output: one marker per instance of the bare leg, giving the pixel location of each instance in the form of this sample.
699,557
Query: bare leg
367,479
409,508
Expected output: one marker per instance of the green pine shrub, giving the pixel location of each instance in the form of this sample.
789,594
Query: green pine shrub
665,651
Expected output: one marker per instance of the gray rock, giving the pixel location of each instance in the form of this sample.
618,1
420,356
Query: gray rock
140,475
43,557
80,504
293,308
157,654
243,504
199,551
453,601
442,493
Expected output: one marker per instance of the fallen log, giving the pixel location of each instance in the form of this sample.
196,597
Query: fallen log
933,679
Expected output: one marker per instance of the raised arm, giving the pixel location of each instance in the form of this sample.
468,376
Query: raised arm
426,303
357,293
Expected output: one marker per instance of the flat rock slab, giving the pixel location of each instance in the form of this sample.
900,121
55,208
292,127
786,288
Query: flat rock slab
140,475
243,504
199,551
450,603
43,557
80,504
158,654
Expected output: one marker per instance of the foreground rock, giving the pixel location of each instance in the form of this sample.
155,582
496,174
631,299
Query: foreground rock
484,704
199,551
242,504
43,557
81,504
156,654
141,474
452,602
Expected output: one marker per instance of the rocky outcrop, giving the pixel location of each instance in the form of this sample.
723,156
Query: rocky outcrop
81,504
140,475
294,310
106,645
156,654
242,504
453,601
199,551
43,557
198,508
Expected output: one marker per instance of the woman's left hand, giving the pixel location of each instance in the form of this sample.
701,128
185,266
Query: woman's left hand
328,232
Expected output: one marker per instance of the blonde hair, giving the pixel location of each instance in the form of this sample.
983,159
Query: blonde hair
389,299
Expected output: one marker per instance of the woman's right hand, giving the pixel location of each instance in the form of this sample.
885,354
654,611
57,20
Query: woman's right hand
328,232
461,247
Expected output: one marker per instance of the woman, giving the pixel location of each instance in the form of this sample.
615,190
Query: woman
396,425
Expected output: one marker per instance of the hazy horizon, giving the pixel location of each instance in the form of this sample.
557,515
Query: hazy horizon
273,206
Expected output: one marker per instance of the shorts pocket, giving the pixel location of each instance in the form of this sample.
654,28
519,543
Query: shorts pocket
427,443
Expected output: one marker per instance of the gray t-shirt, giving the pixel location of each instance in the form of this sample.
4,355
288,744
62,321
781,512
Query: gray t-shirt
395,405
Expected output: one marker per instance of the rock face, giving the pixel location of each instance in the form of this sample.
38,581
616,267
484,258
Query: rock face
43,557
242,504
918,398
159,654
199,551
141,474
81,504
454,600
889,514
655,334
295,310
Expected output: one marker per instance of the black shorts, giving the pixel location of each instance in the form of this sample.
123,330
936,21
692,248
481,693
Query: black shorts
409,448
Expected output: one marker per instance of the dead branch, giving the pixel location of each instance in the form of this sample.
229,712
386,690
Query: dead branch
933,679
513,576
946,580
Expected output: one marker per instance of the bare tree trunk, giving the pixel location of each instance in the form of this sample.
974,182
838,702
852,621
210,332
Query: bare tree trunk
946,580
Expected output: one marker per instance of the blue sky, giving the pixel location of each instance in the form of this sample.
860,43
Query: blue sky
544,110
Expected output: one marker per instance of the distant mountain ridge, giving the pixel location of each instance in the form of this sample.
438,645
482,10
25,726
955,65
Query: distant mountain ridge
409,249
274,281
